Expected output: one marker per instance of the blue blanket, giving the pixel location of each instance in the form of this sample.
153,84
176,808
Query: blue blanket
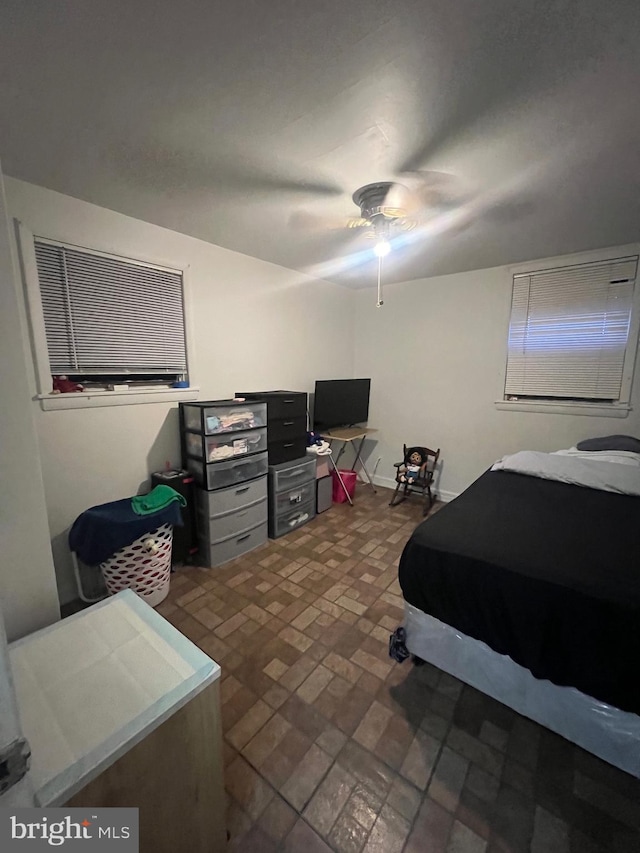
102,530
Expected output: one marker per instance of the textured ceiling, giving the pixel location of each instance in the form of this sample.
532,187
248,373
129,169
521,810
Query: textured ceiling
249,124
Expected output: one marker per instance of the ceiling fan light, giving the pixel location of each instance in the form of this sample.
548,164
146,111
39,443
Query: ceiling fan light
382,248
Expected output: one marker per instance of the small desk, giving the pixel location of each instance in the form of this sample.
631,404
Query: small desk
346,436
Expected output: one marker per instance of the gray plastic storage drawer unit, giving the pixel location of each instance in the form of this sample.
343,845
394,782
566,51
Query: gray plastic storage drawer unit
224,444
291,495
231,521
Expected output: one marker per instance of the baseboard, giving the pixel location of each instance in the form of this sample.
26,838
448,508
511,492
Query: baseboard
390,483
445,497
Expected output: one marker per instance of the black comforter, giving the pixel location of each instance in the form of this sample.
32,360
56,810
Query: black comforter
545,572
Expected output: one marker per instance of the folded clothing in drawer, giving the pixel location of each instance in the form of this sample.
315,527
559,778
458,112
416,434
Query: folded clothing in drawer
216,448
223,416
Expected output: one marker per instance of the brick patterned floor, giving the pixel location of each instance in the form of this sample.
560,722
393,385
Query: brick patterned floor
329,745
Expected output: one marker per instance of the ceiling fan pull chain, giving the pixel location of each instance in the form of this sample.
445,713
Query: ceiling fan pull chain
380,301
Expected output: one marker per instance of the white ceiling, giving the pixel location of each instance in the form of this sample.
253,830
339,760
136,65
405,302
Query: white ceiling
241,122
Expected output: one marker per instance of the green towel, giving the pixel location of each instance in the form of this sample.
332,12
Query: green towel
157,499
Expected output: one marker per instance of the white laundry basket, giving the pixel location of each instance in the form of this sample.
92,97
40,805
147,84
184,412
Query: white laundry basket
144,566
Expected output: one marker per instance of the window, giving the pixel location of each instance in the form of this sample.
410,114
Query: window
115,325
569,334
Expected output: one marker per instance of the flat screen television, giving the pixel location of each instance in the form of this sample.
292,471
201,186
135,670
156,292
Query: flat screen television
340,402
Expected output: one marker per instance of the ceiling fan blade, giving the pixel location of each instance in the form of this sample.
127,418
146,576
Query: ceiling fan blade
194,169
511,210
302,220
402,198
436,189
482,91
419,194
244,177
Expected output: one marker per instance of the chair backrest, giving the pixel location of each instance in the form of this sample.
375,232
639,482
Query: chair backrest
430,457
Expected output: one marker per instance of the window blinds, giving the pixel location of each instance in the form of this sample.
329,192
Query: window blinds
569,329
106,315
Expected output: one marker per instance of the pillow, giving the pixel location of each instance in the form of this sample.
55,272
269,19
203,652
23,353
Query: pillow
611,442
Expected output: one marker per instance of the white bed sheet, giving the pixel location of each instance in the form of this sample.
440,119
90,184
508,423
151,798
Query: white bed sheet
619,474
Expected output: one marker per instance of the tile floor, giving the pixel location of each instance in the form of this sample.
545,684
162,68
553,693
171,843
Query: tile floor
329,745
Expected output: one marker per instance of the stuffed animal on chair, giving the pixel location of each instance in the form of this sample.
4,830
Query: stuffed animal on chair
412,466
415,473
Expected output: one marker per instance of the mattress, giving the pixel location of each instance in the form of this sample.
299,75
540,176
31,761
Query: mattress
607,732
545,572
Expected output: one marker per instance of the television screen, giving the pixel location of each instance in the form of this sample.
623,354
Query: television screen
340,402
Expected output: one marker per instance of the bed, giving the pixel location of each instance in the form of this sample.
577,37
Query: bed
527,587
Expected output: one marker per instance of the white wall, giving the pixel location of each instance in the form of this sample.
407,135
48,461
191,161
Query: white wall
256,326
27,580
436,352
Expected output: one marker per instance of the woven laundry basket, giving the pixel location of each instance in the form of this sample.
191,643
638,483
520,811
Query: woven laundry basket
144,566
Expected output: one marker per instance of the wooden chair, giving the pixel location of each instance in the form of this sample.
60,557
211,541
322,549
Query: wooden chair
423,479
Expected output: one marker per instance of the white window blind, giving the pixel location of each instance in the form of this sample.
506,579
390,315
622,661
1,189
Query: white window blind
569,331
109,315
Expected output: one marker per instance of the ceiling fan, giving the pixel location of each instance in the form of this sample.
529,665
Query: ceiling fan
379,216
428,201
393,205
389,208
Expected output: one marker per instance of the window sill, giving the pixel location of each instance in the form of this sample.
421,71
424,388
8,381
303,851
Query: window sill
93,399
600,410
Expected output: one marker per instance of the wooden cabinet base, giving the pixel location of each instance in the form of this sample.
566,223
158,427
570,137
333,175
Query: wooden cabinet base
174,776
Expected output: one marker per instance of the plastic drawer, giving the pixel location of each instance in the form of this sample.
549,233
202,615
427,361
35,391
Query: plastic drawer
222,501
216,553
286,449
232,523
294,518
217,448
224,416
290,474
287,428
219,475
284,501
281,404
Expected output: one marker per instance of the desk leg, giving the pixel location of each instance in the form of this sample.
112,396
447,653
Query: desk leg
363,466
340,452
339,475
